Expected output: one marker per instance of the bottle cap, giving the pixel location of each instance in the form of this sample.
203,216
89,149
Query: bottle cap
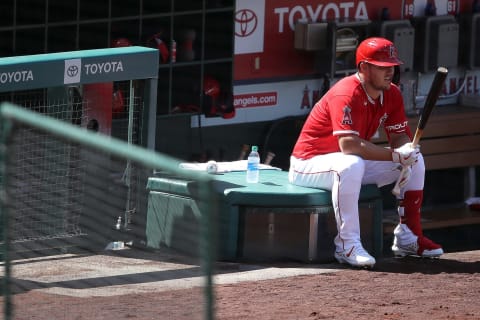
254,148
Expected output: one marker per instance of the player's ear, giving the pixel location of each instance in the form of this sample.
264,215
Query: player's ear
361,66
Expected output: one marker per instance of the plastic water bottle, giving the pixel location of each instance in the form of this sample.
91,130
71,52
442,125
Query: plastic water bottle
253,163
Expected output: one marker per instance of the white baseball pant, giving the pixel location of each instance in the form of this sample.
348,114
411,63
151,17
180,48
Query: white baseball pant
344,175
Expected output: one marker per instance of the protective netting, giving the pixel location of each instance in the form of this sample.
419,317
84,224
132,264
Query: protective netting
75,210
47,175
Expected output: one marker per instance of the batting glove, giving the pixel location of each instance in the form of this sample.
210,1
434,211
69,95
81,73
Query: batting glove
405,174
406,155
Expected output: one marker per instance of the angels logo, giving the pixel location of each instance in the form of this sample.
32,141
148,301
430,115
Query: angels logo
382,121
347,116
392,52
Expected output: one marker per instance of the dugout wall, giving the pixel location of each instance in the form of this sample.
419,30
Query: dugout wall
112,91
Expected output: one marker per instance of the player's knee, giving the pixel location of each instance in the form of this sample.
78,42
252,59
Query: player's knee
354,168
419,167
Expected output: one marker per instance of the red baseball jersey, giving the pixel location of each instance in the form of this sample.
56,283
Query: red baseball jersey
347,109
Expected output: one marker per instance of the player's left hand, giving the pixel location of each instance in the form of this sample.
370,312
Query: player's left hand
410,145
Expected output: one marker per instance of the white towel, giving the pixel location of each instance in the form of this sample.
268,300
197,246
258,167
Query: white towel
240,165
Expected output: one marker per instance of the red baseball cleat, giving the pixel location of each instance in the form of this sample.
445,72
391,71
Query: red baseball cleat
406,243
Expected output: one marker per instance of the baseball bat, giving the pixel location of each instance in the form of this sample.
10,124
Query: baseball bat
430,102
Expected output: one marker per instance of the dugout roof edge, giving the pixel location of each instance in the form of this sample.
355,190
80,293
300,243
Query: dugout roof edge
77,67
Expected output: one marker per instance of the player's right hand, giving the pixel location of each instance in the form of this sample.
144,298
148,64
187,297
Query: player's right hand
406,155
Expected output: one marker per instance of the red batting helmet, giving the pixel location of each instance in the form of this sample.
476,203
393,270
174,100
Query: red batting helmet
378,51
121,42
211,87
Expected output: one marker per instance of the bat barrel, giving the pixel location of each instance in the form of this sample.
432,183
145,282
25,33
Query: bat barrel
433,95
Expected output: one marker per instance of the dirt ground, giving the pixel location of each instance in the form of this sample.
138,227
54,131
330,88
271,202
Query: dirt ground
411,288
408,288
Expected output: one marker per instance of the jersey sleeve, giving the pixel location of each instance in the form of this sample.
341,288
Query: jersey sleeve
345,117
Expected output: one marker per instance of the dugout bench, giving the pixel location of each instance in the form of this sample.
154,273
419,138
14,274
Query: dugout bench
270,220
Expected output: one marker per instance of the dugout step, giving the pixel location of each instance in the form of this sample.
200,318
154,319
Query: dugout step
438,218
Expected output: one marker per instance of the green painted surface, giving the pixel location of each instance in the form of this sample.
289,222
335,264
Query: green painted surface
272,189
172,200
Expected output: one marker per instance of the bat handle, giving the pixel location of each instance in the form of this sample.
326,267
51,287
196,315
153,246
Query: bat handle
416,138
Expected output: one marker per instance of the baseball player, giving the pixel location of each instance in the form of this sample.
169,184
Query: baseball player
334,152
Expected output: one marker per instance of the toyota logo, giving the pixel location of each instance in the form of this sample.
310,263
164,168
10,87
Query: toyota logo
72,71
246,21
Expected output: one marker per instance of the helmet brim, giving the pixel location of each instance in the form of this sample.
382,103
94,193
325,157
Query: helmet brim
388,63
